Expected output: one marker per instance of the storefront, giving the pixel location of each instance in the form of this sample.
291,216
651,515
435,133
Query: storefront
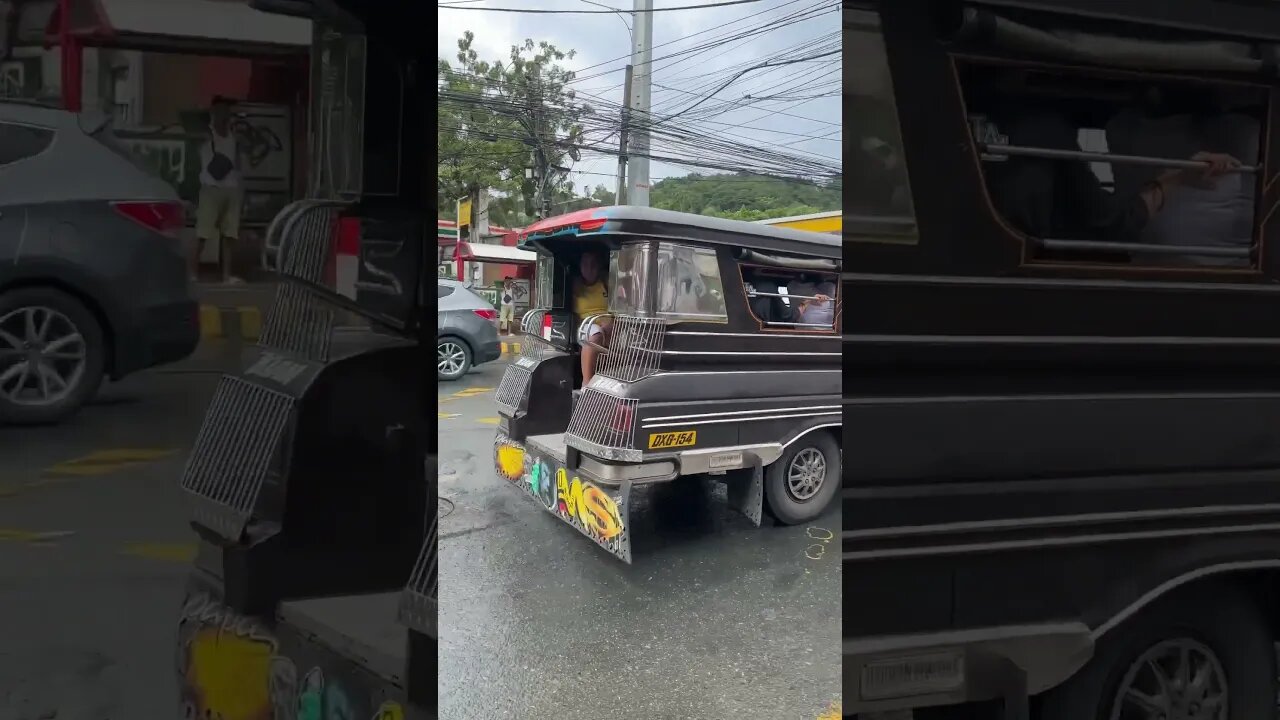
155,65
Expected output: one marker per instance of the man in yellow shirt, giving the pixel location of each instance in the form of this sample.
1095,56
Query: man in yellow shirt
591,297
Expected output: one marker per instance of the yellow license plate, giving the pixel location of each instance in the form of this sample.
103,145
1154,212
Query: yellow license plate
662,441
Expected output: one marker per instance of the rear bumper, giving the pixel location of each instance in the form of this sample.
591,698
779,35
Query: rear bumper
598,513
159,334
488,351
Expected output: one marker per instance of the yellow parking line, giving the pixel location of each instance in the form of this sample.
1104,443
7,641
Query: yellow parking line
472,392
446,416
833,712
30,536
104,462
171,552
489,420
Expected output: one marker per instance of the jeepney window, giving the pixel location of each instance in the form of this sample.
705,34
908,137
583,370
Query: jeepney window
627,279
1093,168
546,282
689,286
877,199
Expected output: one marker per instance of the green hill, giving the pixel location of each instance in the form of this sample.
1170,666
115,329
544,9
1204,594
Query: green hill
743,197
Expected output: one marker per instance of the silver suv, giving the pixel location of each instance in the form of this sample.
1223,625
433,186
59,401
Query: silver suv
466,330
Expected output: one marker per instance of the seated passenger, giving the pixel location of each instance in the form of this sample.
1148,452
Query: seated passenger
1216,213
820,311
1063,199
591,297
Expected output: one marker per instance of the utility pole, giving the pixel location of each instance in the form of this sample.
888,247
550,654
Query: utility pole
638,101
620,197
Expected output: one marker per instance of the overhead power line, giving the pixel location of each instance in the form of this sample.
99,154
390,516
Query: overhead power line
448,6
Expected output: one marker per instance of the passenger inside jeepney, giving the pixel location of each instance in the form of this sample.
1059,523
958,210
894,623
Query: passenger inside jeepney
1064,199
591,297
1170,124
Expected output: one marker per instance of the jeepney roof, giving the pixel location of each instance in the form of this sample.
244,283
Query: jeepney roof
1241,18
669,224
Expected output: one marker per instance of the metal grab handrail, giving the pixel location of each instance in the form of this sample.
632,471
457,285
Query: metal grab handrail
585,325
753,293
992,149
1206,250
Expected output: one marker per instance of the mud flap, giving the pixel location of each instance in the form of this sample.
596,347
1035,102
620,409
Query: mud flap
604,515
746,492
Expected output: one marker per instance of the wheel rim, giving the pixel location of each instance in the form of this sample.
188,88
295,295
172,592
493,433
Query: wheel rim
450,358
806,473
43,356
1179,679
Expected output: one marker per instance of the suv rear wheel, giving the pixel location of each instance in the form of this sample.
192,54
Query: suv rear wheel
52,355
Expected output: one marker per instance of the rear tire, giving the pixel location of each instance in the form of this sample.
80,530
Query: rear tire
1219,626
42,381
800,484
453,358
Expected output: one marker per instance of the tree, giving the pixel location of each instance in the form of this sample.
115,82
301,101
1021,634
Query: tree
496,120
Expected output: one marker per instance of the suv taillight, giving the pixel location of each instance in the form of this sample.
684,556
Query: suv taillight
490,315
166,218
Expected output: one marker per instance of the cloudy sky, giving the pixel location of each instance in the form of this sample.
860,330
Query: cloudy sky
790,107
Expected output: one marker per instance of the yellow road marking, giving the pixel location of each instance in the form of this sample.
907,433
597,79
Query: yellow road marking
833,712
489,421
104,462
172,552
471,392
446,416
30,536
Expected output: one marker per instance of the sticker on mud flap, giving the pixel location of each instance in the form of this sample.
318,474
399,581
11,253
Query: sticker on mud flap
525,362
666,440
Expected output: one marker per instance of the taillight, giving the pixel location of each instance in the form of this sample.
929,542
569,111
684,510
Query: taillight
546,328
166,218
490,315
622,419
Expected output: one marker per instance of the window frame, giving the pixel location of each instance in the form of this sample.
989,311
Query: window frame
864,19
835,279
674,317
1256,268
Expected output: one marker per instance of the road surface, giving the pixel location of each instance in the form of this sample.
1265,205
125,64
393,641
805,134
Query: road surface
715,619
94,547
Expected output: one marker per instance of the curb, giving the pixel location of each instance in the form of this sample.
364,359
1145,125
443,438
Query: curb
510,348
244,323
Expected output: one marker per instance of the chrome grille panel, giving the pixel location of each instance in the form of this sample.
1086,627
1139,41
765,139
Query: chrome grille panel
419,601
512,389
635,348
299,322
535,348
603,420
233,452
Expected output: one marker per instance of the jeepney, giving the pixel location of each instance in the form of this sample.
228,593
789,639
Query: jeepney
693,383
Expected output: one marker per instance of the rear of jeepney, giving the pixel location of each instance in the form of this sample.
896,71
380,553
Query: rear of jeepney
584,471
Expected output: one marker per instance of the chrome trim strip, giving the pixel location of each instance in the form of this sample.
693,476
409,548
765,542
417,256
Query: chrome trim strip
749,352
740,412
952,549
1093,397
1058,339
806,431
978,281
703,333
1059,520
737,420
741,372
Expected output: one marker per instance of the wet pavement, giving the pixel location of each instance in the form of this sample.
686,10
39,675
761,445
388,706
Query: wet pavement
714,619
94,550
